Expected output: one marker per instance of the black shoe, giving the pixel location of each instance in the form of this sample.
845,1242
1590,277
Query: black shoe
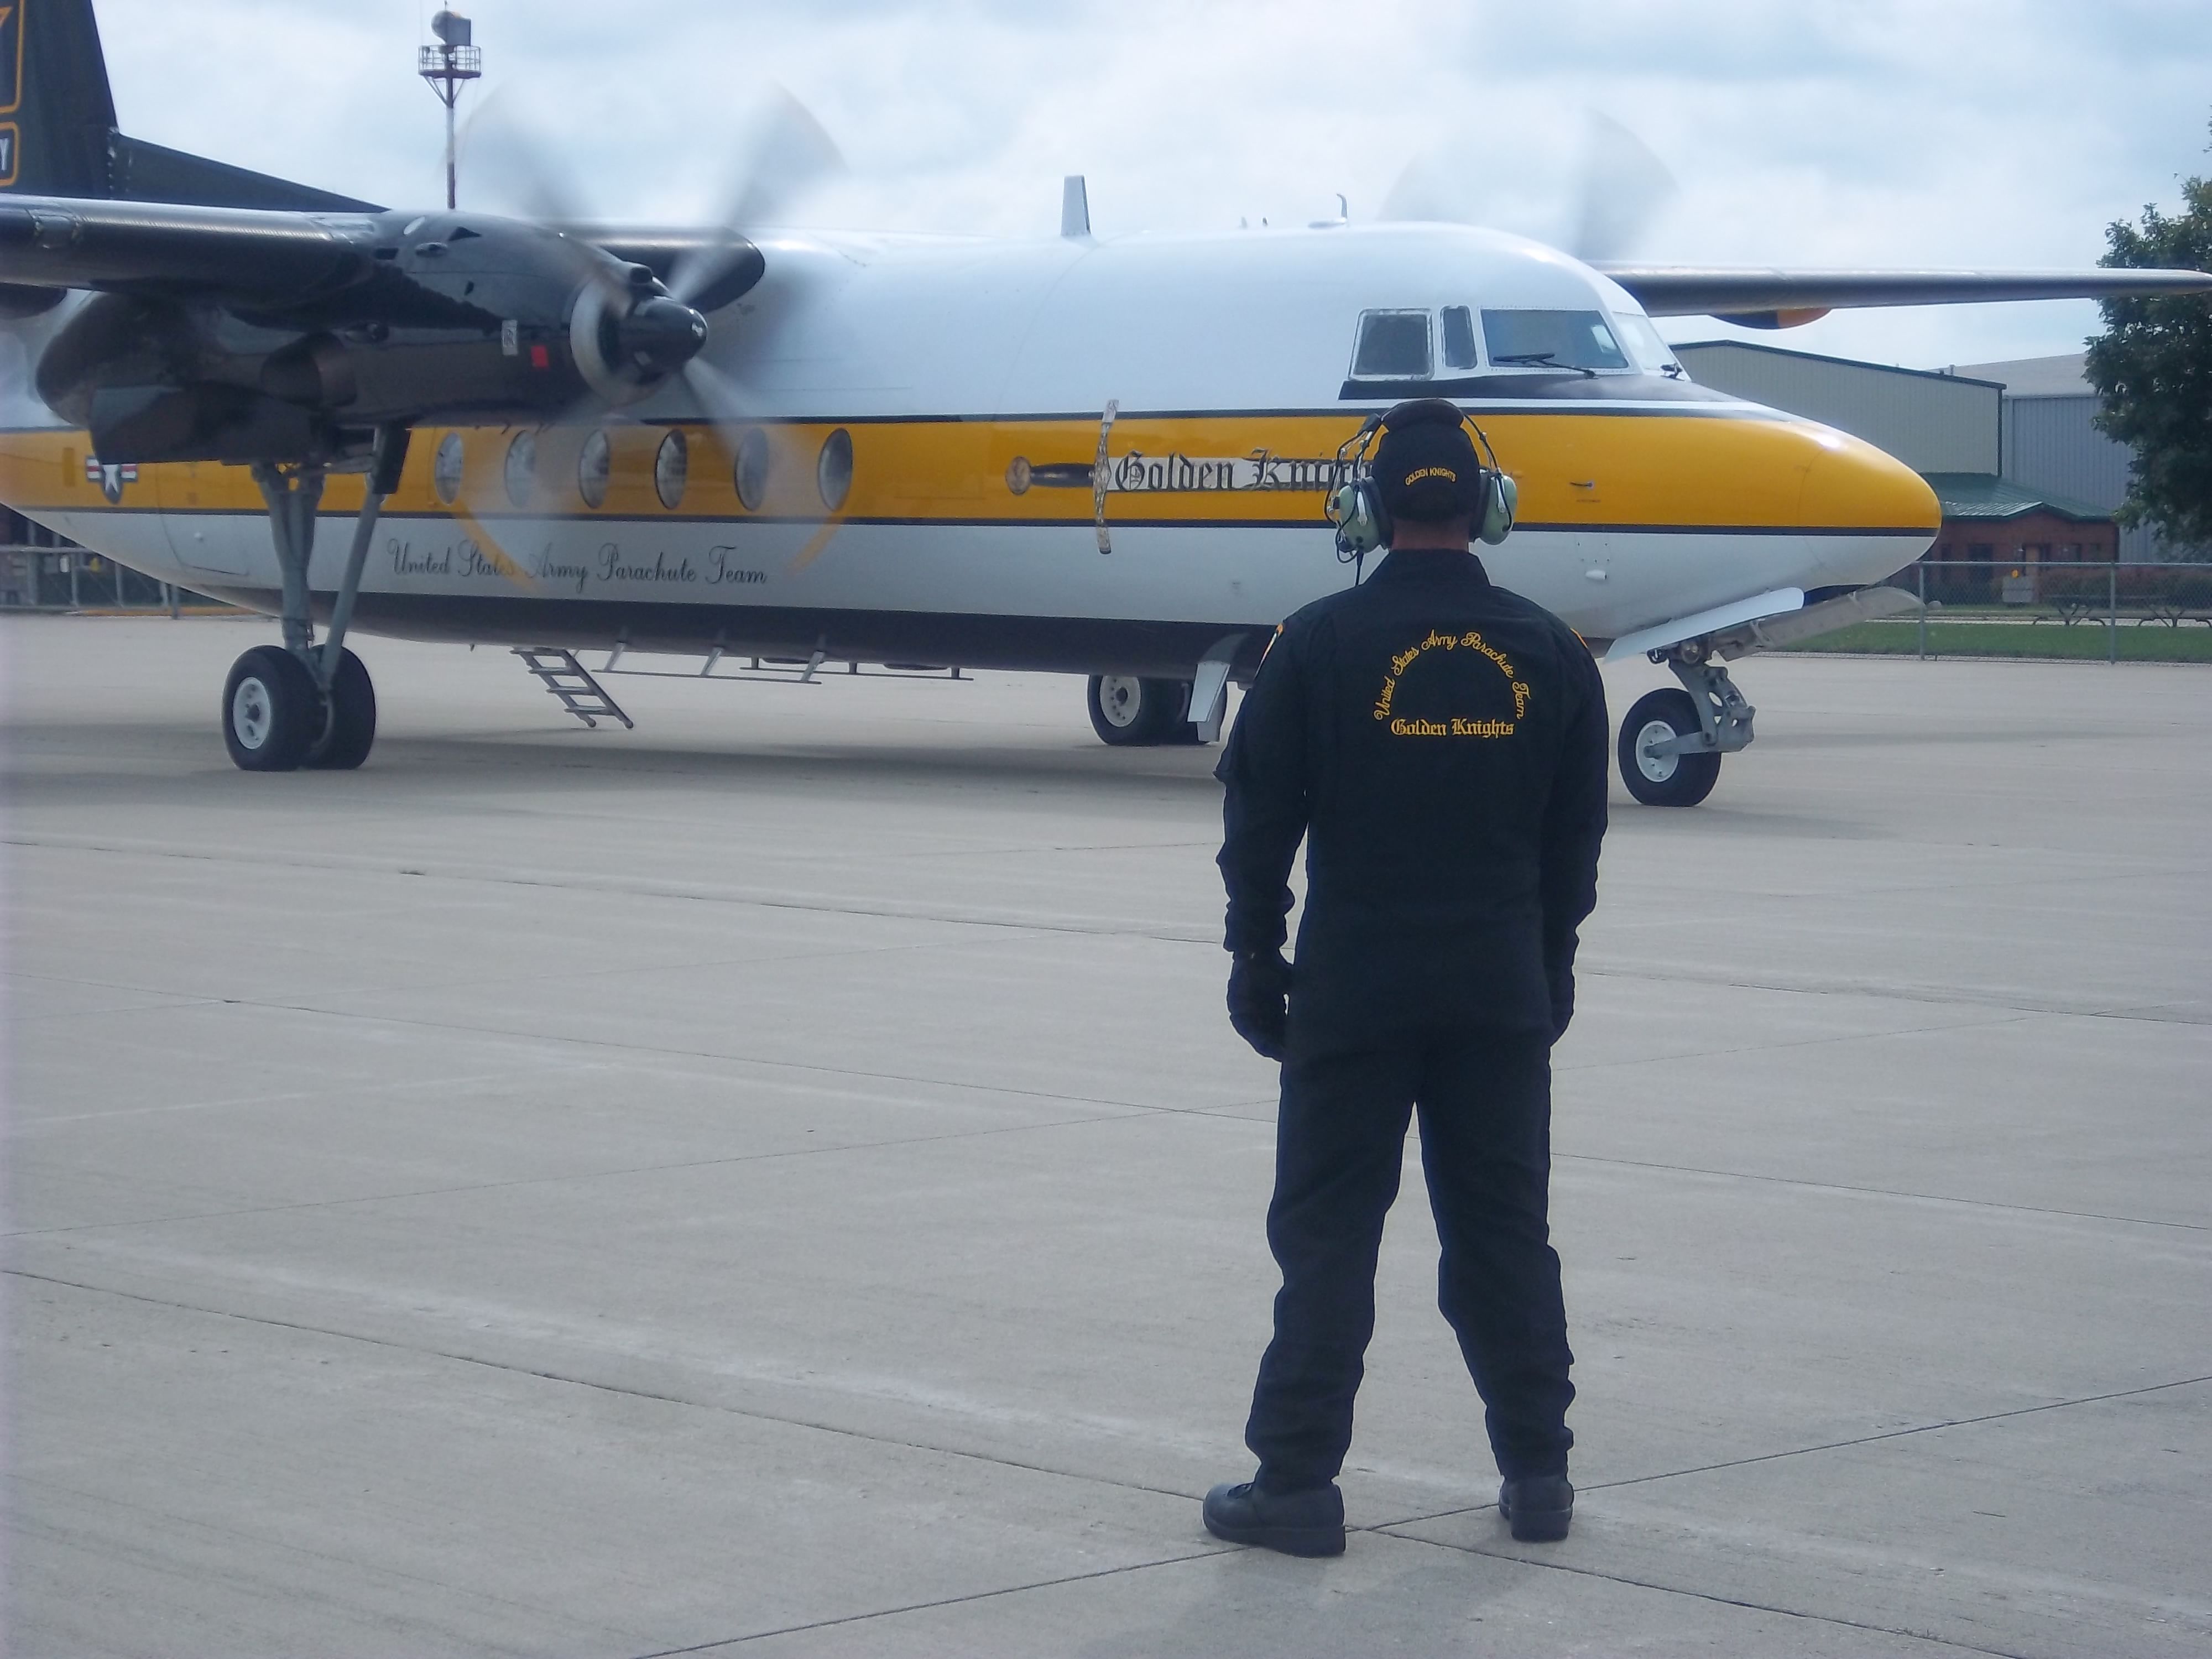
1539,1507
1308,1522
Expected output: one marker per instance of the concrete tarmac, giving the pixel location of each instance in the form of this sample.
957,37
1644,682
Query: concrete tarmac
781,1180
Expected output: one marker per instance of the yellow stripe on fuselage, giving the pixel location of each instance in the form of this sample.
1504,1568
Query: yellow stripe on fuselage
1651,469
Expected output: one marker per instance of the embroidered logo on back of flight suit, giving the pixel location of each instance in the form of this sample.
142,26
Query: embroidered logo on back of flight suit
1450,725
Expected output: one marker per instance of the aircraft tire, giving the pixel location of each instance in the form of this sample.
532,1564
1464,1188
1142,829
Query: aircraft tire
1130,713
271,711
353,719
1664,780
1187,732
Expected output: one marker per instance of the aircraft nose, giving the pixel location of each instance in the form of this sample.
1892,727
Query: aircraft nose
1878,513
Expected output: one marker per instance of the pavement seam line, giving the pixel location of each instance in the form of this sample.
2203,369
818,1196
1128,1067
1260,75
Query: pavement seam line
506,1368
323,1559
1934,995
615,1046
1845,1445
812,904
21,1128
1699,1594
946,1601
1874,1192
1955,1024
1163,933
578,1175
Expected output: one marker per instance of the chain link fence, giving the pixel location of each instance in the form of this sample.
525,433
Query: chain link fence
2126,612
67,579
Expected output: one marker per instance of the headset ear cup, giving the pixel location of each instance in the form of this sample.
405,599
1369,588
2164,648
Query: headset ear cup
1504,502
1383,525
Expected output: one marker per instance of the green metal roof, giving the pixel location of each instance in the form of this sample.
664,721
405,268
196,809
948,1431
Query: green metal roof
1984,496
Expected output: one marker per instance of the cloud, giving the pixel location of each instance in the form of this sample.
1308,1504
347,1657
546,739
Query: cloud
1858,132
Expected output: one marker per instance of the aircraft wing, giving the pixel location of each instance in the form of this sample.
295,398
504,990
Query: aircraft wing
265,255
156,248
1774,298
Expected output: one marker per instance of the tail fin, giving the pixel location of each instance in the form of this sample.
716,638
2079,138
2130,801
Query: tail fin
56,112
58,133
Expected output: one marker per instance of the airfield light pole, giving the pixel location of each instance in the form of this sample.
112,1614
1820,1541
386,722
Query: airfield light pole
447,67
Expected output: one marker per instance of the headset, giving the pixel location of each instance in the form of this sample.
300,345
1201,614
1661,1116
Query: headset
1363,523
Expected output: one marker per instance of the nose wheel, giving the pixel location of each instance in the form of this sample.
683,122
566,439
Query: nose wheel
1672,741
1658,771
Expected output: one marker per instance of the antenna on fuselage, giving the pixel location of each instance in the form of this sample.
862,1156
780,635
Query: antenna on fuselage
1074,206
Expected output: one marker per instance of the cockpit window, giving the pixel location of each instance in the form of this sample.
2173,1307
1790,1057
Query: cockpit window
1552,339
1459,338
1653,353
1394,346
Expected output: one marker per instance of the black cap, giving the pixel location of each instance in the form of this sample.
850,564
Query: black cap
1424,467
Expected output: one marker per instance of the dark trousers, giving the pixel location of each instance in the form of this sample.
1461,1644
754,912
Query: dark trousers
1486,1105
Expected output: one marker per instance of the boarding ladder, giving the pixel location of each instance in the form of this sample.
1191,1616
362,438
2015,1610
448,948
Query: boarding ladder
572,682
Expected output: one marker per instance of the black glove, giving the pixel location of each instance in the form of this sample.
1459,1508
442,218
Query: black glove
1259,1001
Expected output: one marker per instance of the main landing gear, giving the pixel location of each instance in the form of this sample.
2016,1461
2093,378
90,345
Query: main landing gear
1132,713
1672,741
300,704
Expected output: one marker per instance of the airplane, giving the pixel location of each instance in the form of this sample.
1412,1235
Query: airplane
1100,456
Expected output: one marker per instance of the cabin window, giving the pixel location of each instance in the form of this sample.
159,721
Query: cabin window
833,472
521,469
671,469
594,464
1552,339
750,474
446,468
1394,346
1459,338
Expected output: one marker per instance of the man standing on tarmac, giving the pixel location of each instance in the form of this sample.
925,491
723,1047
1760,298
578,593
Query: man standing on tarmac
1440,743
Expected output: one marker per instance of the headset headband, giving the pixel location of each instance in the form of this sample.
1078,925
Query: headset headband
1355,504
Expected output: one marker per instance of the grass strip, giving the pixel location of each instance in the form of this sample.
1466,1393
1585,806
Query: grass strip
2084,641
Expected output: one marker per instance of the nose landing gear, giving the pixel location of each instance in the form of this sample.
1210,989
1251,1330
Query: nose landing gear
302,704
1672,741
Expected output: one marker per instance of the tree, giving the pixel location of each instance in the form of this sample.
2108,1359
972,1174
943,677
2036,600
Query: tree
2151,367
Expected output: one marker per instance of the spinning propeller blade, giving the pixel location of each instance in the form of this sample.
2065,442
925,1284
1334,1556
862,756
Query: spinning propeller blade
1617,191
1624,188
787,155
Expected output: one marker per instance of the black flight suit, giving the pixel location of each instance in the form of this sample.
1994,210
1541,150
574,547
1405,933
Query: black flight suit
1441,745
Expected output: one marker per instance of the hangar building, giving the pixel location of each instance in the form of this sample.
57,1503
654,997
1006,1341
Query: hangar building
2050,442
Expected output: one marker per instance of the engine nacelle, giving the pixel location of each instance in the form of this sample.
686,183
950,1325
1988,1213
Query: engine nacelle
438,318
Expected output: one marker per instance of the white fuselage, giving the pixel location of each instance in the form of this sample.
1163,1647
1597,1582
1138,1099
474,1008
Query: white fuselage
973,382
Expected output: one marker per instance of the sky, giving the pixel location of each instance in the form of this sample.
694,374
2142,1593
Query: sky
1982,133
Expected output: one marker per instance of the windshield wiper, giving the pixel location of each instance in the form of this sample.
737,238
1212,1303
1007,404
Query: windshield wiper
1539,360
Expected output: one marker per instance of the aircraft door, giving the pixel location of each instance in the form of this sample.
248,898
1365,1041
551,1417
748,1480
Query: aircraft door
203,540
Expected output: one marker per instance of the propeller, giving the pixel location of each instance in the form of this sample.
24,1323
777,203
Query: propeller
784,155
1624,187
1601,211
659,326
632,327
